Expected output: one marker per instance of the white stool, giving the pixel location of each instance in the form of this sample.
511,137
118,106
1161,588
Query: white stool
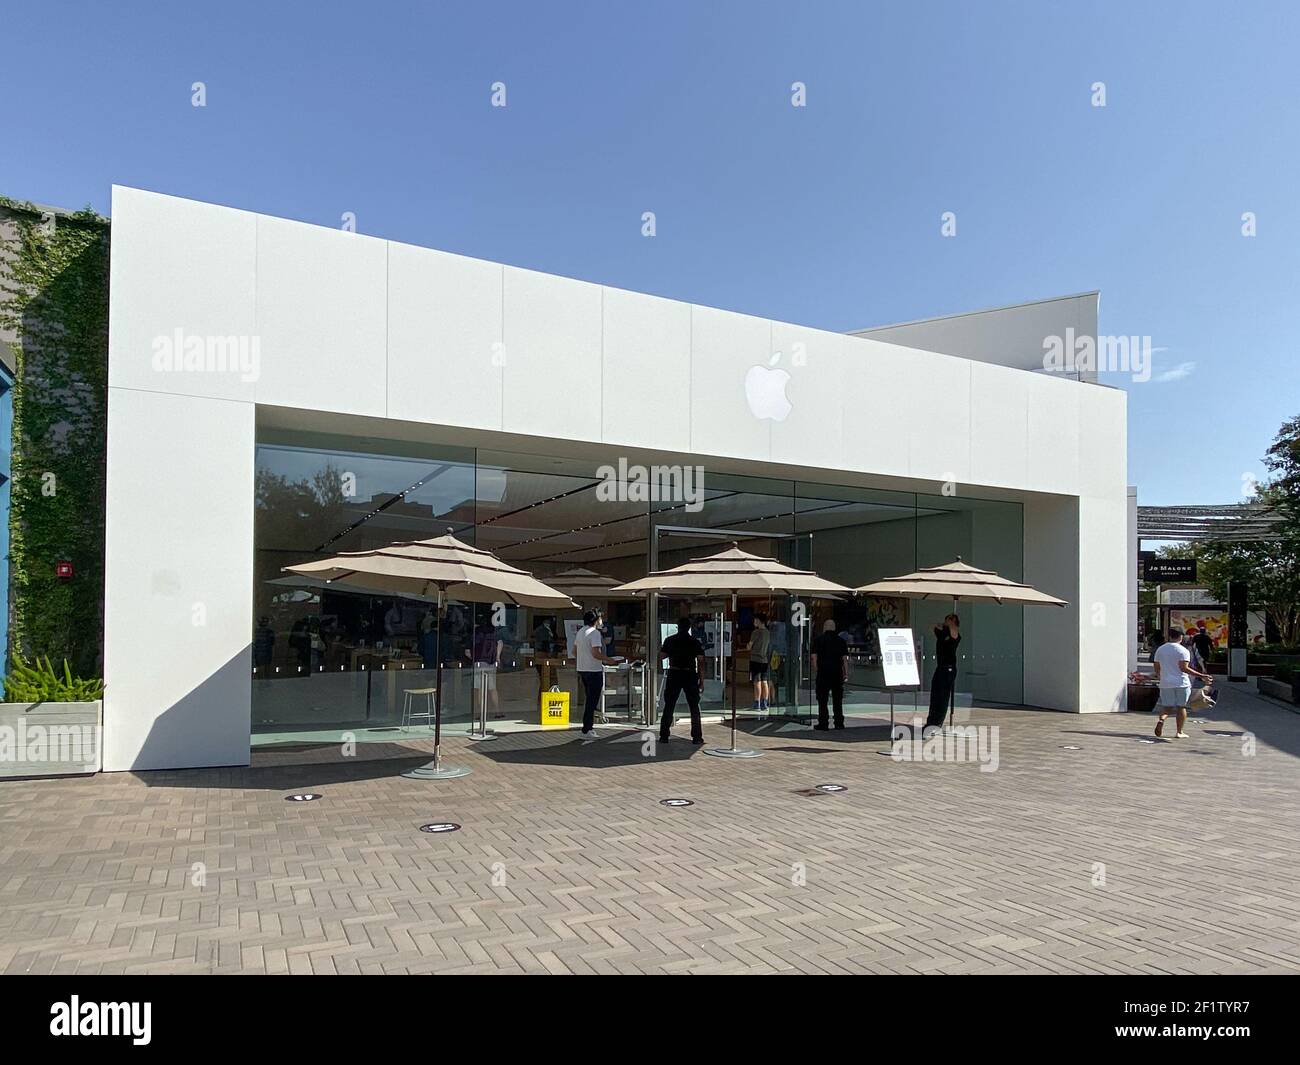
409,713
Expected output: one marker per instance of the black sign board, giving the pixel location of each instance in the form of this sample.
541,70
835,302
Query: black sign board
1237,630
1170,570
1237,634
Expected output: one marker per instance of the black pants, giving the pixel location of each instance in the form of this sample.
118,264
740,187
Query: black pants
681,682
828,687
941,686
594,683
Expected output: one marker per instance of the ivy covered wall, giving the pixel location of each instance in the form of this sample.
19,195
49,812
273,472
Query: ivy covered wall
54,318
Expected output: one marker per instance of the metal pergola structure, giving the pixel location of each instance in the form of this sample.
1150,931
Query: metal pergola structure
1240,522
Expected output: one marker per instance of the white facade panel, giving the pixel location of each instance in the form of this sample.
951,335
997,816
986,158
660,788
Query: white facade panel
444,337
1018,337
813,433
179,575
1052,445
1103,442
726,349
878,420
936,392
999,432
1103,604
552,356
321,317
646,376
1132,581
197,263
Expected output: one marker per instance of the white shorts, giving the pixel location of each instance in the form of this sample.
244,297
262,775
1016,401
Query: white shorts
1174,697
485,676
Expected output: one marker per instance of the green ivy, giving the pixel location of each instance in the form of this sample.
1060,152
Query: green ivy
54,296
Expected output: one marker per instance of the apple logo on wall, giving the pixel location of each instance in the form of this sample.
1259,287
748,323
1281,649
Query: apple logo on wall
765,391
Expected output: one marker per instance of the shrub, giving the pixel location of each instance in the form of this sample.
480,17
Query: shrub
1285,672
37,682
1274,649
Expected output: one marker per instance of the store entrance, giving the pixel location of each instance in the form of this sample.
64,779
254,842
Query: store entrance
736,653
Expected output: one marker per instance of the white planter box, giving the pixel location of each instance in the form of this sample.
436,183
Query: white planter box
50,739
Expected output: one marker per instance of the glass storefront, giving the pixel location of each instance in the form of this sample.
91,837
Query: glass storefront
327,662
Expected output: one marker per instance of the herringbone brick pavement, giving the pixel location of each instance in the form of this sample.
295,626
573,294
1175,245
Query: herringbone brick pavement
1181,856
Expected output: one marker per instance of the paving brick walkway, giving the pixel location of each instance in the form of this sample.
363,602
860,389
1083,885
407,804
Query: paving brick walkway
566,862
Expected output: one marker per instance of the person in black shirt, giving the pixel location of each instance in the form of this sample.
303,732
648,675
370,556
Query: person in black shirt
947,636
263,644
830,662
685,656
1204,645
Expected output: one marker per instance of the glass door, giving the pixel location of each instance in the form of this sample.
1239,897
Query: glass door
729,637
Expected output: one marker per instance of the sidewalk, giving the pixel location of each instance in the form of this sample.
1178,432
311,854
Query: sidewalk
1091,849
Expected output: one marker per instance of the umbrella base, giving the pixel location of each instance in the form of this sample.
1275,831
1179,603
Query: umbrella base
433,771
732,752
480,736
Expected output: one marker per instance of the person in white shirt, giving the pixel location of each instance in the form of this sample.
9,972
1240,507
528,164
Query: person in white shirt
589,650
1174,673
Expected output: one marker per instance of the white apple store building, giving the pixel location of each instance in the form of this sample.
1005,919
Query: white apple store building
280,392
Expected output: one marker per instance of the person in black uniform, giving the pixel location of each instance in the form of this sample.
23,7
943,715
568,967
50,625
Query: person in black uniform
1204,645
685,656
830,662
947,636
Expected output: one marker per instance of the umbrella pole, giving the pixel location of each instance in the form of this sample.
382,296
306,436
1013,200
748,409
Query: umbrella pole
435,770
952,691
480,675
733,751
723,637
437,683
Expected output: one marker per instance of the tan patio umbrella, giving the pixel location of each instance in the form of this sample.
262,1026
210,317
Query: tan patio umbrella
728,573
442,568
584,585
960,582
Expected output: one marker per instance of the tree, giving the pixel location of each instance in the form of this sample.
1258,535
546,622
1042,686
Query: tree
1283,462
1271,568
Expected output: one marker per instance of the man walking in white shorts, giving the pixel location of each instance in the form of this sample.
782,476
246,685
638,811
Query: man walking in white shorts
1174,673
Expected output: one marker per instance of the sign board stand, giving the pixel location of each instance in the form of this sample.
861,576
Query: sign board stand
899,662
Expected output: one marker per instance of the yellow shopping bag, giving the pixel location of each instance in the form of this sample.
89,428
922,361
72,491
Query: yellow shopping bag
555,709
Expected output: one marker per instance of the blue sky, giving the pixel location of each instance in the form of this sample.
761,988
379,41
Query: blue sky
826,215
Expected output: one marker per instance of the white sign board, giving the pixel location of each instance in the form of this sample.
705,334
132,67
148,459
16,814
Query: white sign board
898,657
